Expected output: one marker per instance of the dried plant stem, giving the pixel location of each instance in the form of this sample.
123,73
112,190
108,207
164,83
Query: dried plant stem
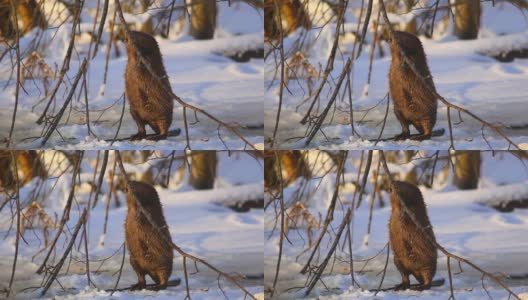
18,82
329,212
58,266
56,119
18,233
330,62
65,67
65,215
346,220
101,27
282,83
101,177
282,223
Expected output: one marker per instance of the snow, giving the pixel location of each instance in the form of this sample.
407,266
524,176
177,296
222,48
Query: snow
463,75
198,223
198,72
494,241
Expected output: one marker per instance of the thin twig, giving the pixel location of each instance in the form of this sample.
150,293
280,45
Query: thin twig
101,27
18,233
282,225
329,211
282,83
65,214
346,220
101,177
384,269
18,83
57,118
329,64
65,67
365,26
120,267
57,267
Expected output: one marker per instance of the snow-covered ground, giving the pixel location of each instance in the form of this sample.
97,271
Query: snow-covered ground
492,90
198,224
198,72
495,241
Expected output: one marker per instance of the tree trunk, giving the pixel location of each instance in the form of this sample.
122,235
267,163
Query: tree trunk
203,19
467,169
467,19
203,169
28,165
292,15
292,165
411,26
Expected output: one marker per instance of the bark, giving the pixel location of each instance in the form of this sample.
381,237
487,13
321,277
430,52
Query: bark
467,19
203,19
467,169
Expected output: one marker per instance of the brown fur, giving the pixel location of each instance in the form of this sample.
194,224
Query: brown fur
413,102
150,99
149,253
414,250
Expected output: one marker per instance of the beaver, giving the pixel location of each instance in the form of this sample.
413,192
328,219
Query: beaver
149,96
150,254
414,249
414,103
